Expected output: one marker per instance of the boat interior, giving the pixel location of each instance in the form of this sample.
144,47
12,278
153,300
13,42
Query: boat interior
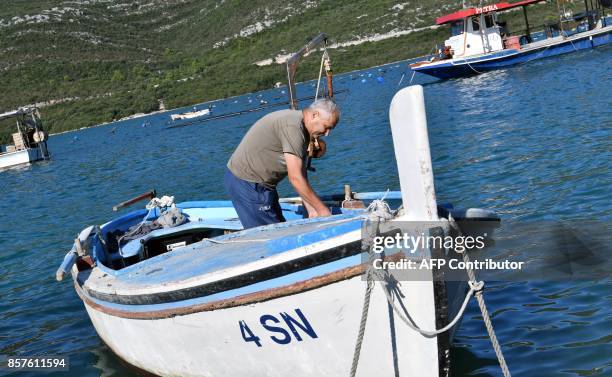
138,236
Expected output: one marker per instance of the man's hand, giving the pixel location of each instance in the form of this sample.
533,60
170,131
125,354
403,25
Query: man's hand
312,212
298,180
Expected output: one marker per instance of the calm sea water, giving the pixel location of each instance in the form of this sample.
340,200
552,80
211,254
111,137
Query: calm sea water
532,142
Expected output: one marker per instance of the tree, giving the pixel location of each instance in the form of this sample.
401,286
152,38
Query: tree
117,76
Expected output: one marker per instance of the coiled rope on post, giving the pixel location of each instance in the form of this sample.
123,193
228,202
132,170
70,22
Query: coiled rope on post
380,212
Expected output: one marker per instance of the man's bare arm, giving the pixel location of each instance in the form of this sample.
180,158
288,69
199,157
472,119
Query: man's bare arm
299,182
309,209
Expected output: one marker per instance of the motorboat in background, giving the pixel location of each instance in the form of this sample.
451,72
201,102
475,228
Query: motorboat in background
480,42
30,140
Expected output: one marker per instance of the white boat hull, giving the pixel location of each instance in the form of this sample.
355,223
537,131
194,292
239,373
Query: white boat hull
190,115
211,343
20,157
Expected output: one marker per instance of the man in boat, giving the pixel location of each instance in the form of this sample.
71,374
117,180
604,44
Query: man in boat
275,147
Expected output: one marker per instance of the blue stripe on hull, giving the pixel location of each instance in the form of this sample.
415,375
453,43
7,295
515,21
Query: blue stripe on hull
600,40
505,59
253,288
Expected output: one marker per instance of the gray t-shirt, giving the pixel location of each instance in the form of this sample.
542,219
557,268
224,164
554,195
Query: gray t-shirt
260,155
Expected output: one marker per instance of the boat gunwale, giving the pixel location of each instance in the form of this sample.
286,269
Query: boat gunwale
202,288
347,215
242,300
346,220
25,150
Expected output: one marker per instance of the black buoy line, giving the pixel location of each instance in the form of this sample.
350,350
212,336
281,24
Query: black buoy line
238,113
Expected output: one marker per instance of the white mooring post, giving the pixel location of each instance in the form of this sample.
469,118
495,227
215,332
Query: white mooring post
411,144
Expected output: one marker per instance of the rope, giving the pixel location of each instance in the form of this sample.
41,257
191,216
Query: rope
472,68
575,49
364,319
320,74
414,72
412,78
144,220
474,287
380,212
483,308
402,78
375,206
163,202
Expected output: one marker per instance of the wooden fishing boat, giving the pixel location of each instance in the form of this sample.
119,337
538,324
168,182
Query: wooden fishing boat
29,142
203,297
480,41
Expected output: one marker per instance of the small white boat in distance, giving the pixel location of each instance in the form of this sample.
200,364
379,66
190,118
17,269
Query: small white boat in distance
29,142
190,114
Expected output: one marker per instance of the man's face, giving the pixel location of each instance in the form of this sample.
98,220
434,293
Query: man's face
319,124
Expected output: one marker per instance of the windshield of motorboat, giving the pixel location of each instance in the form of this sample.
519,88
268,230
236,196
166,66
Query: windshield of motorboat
457,28
475,23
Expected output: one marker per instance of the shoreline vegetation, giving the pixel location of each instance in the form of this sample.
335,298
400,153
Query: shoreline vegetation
120,105
102,65
282,87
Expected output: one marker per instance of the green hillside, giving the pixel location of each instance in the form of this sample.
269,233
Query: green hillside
100,60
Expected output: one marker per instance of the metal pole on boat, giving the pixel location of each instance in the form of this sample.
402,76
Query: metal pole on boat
19,129
147,195
411,144
590,15
586,12
527,31
484,40
39,130
561,18
292,63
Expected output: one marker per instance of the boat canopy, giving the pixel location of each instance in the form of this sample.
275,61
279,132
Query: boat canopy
459,15
15,113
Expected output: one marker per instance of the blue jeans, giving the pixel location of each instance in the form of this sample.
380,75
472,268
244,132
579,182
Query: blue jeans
255,203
